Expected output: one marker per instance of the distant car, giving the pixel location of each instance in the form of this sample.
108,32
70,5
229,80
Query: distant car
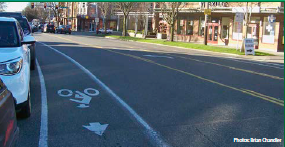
9,131
41,26
27,32
50,28
34,28
15,60
102,31
63,29
44,28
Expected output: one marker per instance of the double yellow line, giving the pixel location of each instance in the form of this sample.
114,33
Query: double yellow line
230,67
249,92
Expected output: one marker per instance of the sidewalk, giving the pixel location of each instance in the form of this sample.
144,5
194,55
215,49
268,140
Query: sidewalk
278,58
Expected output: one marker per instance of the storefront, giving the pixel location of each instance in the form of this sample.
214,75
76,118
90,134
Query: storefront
265,25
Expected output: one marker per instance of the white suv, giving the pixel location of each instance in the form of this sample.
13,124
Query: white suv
15,59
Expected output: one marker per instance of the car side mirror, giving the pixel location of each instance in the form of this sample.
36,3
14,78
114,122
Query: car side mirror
28,40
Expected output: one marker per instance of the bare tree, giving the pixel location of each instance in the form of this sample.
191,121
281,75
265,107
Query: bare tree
57,12
169,12
146,8
106,11
2,6
36,13
126,8
30,13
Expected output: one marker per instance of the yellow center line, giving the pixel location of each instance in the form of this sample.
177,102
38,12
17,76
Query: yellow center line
230,67
249,92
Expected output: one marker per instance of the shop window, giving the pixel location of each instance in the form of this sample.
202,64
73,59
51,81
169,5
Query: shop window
237,31
180,24
189,27
225,32
268,31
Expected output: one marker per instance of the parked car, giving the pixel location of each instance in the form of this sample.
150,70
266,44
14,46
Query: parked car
9,131
102,31
44,28
63,29
50,28
15,60
27,32
41,26
34,28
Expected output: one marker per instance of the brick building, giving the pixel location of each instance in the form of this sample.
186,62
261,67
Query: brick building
266,24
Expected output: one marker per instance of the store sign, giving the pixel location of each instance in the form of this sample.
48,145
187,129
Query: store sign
271,18
249,46
96,19
181,23
239,27
239,17
207,11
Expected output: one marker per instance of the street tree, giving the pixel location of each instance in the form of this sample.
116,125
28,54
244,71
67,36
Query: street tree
106,11
36,13
2,6
169,12
125,8
30,13
143,8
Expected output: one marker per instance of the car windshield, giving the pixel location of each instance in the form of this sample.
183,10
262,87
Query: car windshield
25,26
8,35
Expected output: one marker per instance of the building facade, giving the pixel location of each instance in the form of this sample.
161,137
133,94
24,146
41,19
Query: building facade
265,25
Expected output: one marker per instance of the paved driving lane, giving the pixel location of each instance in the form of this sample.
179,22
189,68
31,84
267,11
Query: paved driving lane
183,109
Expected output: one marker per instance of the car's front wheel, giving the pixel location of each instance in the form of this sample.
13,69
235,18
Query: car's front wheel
26,110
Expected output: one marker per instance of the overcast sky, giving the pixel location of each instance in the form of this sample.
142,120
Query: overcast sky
15,6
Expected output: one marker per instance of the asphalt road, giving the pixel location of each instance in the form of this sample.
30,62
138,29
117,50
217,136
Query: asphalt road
148,95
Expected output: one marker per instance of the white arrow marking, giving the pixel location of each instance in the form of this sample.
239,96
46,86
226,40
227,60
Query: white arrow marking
158,56
96,128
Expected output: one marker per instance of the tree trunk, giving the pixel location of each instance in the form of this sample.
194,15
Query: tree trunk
124,26
171,32
104,22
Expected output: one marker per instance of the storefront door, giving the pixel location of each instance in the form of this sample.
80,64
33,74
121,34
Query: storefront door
253,32
213,29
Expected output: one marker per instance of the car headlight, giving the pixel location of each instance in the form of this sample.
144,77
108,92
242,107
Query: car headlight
11,67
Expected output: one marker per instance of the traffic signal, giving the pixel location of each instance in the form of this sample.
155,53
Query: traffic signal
32,5
45,5
56,6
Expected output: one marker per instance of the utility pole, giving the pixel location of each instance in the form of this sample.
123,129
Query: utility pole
206,25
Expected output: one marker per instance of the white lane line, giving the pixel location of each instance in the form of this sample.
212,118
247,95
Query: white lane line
261,64
155,137
44,114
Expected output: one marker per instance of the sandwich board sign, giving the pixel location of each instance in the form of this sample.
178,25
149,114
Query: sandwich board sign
249,46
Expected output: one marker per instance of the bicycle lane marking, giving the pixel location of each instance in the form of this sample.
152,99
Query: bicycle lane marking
155,136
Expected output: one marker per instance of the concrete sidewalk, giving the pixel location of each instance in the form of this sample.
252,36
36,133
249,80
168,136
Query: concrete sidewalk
277,58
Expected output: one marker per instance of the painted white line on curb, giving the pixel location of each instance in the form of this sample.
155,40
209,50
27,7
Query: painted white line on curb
150,132
43,141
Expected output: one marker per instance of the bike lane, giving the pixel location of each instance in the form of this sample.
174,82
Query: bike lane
80,112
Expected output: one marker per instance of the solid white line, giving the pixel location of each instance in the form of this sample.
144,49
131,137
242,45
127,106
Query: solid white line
44,114
151,133
261,64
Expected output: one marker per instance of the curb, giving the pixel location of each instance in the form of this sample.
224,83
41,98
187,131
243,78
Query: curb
229,54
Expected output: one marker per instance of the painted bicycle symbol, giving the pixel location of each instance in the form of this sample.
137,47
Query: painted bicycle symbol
85,97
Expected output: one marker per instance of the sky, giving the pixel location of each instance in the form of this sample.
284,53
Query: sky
15,6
